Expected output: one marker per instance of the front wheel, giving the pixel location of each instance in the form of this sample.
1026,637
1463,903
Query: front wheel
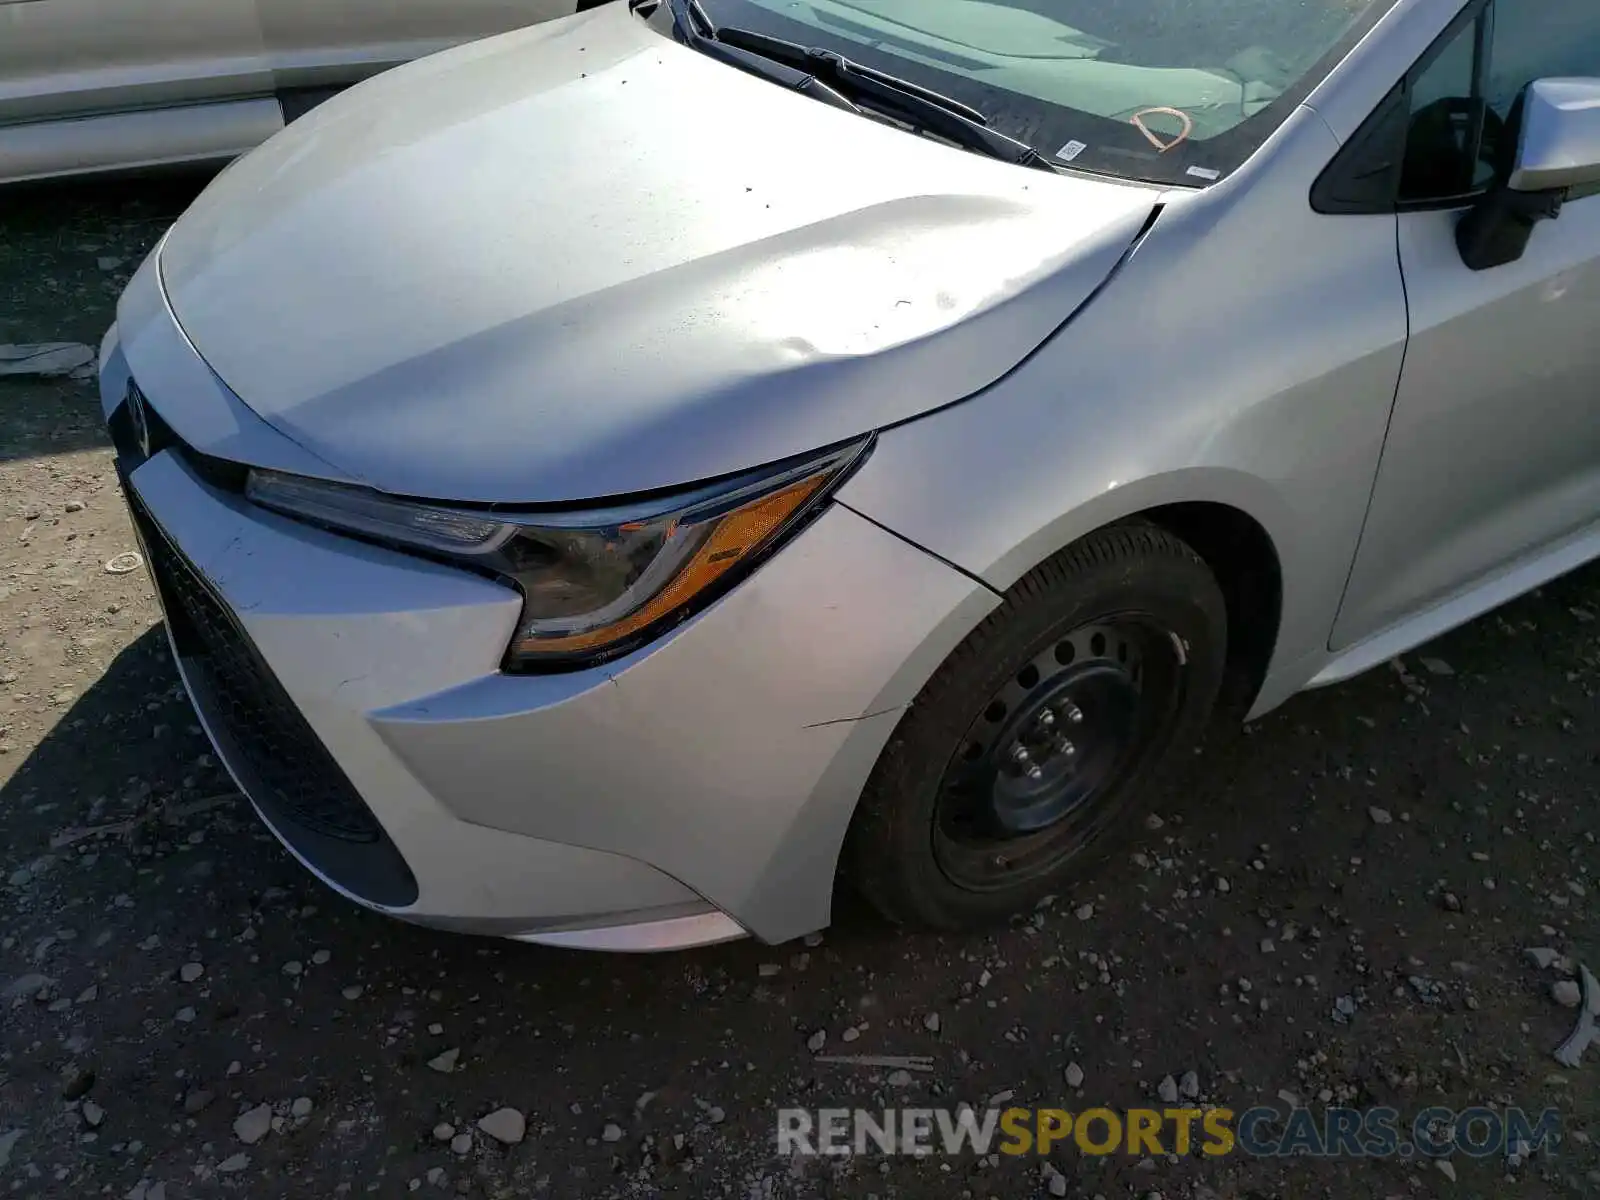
1036,741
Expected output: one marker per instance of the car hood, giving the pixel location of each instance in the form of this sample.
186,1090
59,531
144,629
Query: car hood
582,260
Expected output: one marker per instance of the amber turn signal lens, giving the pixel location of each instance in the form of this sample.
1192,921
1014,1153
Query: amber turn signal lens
735,536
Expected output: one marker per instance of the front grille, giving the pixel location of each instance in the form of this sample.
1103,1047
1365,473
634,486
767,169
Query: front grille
272,751
294,773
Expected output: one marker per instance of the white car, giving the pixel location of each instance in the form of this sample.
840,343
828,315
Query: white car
95,85
607,479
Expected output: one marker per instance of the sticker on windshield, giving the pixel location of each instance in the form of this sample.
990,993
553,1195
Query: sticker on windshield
1071,150
1203,173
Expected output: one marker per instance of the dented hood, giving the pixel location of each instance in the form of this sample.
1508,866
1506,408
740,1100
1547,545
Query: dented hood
583,260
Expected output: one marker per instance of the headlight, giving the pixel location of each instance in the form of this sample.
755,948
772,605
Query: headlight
595,584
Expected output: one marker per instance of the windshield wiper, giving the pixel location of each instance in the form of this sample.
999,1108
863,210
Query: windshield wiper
827,75
698,32
922,107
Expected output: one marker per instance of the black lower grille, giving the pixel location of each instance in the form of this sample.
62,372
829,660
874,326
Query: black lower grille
280,761
283,753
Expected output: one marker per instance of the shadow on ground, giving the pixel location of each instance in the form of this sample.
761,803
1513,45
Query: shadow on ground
197,971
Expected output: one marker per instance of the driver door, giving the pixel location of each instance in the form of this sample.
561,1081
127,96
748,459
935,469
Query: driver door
62,58
312,43
1493,454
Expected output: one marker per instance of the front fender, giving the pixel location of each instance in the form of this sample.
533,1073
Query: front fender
1246,353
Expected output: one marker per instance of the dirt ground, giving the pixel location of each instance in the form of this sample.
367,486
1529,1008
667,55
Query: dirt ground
1336,906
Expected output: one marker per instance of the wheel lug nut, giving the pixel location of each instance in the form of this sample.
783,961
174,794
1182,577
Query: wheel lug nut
1065,748
1035,774
1046,719
1020,755
1071,712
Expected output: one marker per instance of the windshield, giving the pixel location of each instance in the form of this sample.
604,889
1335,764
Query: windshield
1172,91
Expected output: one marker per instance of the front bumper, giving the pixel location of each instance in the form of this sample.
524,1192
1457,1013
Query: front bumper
693,791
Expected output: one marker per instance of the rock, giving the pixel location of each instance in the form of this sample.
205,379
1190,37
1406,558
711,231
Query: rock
444,1132
321,958
1267,946
768,969
1542,957
1446,1167
446,1062
505,1125
8,1143
1223,886
611,1133
186,1014
197,1100
189,972
1566,993
293,967
93,1114
850,1034
1451,902
301,1107
1057,1184
1189,1085
73,506
901,1078
27,985
1074,1075
250,1127
76,1082
233,1164
1083,912
353,992
1380,816
1153,822
931,1022
817,1041
1168,1090
1437,666
461,1144
45,360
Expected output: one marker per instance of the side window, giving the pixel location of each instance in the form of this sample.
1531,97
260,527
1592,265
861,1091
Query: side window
1460,134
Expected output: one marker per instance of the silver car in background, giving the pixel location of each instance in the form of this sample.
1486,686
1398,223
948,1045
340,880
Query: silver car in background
94,85
605,480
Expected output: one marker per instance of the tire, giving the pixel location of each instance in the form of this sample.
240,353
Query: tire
948,833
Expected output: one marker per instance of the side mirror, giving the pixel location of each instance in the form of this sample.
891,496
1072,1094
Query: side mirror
1556,124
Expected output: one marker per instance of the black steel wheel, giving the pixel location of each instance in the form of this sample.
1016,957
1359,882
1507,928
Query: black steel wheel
1039,736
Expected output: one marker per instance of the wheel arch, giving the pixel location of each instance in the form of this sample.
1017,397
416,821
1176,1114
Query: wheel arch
1226,516
1244,561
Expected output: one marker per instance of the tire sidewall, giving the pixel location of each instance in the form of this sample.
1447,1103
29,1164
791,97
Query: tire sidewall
1172,588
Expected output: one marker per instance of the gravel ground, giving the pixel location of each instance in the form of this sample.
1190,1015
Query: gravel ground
1336,905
